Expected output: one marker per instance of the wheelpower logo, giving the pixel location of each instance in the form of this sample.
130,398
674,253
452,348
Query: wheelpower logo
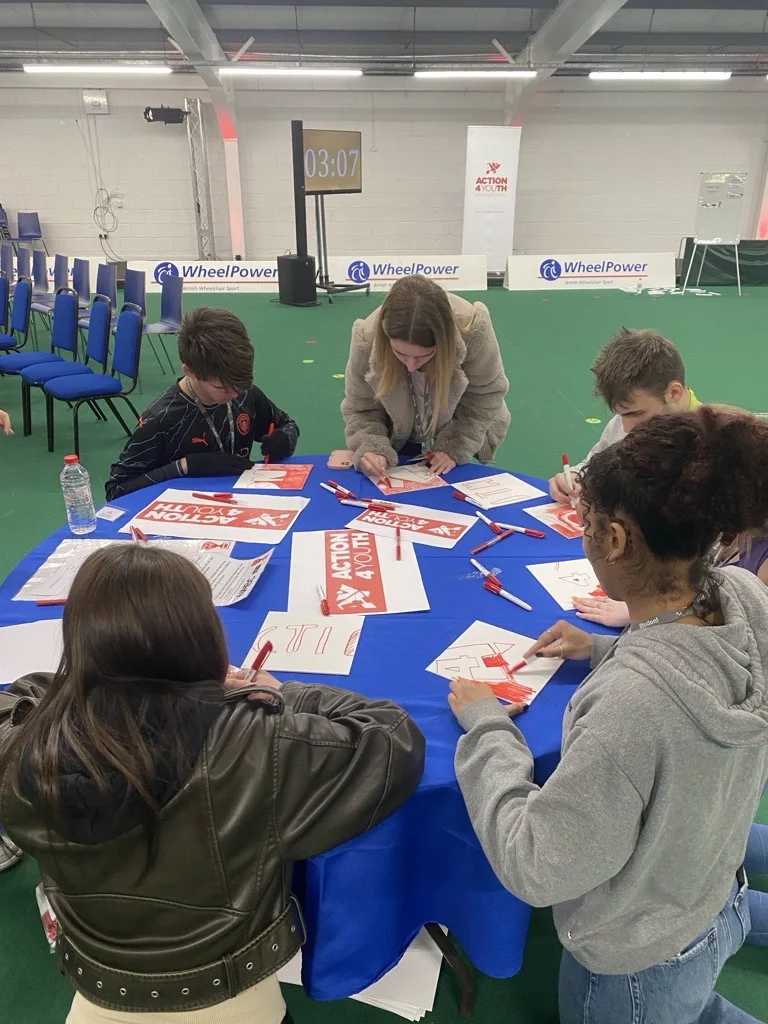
360,272
551,269
223,272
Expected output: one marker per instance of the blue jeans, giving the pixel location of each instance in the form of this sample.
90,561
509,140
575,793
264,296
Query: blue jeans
756,863
679,991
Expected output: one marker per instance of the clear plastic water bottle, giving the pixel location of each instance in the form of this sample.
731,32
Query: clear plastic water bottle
76,488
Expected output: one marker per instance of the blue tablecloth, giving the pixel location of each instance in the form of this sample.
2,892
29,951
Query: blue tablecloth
365,901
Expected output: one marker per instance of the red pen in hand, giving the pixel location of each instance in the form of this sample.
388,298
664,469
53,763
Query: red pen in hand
259,661
398,551
270,432
324,606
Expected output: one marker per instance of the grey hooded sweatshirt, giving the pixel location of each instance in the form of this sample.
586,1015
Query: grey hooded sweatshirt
636,838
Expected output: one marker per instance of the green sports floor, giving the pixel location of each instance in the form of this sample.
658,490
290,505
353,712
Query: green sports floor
548,343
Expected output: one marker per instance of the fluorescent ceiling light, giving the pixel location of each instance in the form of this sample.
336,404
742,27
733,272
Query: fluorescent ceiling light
97,69
250,69
475,74
662,76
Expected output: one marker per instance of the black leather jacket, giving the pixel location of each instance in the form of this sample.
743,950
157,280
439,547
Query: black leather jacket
279,778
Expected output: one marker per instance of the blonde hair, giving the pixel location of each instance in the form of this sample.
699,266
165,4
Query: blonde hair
418,312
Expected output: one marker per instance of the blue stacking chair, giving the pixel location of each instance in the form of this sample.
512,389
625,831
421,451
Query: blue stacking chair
37,375
8,264
39,273
135,291
63,336
20,314
43,304
23,262
171,312
92,388
28,225
3,302
81,281
106,284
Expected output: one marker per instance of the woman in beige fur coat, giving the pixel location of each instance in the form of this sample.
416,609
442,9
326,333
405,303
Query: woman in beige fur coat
424,375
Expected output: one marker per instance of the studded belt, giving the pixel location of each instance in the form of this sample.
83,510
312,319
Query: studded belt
185,990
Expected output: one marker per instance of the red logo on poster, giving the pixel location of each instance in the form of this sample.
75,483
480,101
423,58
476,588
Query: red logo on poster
353,574
243,422
493,167
215,514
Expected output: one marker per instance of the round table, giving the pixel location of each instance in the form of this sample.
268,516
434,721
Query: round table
365,901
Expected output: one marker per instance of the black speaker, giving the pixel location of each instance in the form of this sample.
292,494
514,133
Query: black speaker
296,280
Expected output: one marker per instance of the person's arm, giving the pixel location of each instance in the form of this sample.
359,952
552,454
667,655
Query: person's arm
612,434
19,699
281,444
5,423
551,843
344,763
366,424
482,402
142,462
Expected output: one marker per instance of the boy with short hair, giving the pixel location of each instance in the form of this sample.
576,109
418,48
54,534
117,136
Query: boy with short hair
638,374
205,423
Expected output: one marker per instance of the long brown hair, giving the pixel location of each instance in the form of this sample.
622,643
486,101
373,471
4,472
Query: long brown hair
143,645
417,311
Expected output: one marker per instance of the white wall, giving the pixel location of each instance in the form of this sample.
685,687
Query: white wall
600,168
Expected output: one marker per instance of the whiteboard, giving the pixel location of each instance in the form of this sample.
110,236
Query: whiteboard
720,205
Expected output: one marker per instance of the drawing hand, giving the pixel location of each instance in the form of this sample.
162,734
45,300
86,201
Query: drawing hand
563,641
465,692
559,491
266,679
441,463
603,610
236,677
374,466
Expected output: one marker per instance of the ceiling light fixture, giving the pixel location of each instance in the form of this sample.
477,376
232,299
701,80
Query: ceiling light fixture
250,69
661,76
476,74
97,69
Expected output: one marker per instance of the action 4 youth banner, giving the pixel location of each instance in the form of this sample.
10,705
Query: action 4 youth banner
622,270
454,273
490,186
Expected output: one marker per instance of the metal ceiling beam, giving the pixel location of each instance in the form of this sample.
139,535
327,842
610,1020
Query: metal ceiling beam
187,25
564,32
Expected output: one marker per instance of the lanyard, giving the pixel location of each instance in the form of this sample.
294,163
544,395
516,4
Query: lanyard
421,416
664,618
209,421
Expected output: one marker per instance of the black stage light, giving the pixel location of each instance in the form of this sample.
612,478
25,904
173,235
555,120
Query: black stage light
166,115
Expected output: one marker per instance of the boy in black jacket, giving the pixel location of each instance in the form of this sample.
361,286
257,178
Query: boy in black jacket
205,423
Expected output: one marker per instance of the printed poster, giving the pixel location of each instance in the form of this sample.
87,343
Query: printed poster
310,642
279,477
563,519
486,654
566,580
358,571
255,519
420,525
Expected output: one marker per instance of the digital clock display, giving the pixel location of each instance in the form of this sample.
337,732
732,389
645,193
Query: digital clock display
332,161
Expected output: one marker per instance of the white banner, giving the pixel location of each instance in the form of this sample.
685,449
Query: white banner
490,186
622,270
454,273
211,275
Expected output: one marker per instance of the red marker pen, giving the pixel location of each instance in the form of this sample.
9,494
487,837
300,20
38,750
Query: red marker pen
490,543
463,497
270,432
343,491
259,661
398,552
324,606
222,499
46,602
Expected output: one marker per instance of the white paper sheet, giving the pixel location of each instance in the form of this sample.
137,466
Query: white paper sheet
417,524
498,489
255,519
563,519
359,572
32,647
316,643
408,989
486,653
279,477
405,479
566,580
231,579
